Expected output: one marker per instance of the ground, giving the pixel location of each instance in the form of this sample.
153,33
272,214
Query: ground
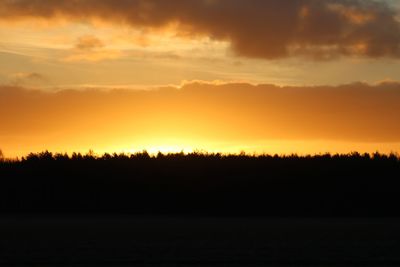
207,241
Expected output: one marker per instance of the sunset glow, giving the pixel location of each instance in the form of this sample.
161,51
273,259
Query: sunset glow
228,76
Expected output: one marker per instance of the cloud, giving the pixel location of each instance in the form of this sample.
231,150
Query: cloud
255,28
89,48
27,78
28,75
89,42
232,112
93,56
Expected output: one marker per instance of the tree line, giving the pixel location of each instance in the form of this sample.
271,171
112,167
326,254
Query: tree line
198,184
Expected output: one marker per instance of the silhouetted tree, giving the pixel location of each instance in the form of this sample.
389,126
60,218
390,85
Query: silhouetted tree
1,155
203,183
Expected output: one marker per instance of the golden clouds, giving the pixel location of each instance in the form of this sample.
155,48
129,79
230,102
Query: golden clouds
258,29
89,43
353,14
91,49
27,79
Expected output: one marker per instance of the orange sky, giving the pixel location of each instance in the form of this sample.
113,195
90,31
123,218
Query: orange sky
299,76
226,117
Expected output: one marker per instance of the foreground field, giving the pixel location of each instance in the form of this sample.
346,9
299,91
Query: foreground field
163,241
200,210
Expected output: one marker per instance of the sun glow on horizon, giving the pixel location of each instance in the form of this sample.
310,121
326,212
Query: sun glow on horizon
266,147
275,77
226,118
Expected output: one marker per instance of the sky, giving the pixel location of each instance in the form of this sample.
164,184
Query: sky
301,76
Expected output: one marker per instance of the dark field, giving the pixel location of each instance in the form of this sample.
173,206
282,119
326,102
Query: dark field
161,241
200,210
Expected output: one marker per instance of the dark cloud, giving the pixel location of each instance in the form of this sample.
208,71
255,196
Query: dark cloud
354,112
255,28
